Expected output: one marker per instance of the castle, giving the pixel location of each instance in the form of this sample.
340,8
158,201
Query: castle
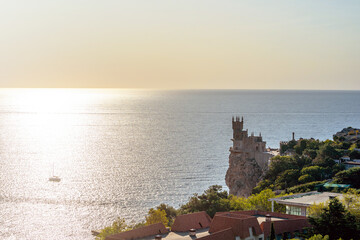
248,160
248,147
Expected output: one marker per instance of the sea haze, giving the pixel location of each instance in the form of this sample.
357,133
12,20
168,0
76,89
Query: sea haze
121,152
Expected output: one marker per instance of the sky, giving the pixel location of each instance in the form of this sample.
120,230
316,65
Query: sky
202,44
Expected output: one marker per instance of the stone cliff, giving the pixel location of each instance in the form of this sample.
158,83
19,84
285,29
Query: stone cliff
242,175
248,160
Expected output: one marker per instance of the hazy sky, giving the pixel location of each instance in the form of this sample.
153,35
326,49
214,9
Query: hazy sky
303,44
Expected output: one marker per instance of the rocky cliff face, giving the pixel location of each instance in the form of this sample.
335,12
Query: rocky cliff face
243,175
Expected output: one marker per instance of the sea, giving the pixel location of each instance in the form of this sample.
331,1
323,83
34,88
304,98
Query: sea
120,152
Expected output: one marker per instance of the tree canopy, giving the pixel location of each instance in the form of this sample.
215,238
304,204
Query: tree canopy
351,176
335,221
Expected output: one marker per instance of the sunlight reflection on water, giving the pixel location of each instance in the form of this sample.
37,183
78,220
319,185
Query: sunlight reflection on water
120,152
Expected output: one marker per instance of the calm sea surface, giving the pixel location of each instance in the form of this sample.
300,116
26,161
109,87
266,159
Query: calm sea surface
120,152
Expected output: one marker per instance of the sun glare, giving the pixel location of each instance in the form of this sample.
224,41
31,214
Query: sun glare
51,100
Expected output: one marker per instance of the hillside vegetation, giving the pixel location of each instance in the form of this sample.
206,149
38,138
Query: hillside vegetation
310,162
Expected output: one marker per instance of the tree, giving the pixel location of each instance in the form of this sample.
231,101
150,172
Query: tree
288,178
272,232
310,153
351,176
323,161
316,172
328,150
212,200
306,179
263,184
354,154
171,212
300,146
117,226
156,216
333,219
315,210
258,201
278,165
352,203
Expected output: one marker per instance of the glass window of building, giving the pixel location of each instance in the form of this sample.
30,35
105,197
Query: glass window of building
293,210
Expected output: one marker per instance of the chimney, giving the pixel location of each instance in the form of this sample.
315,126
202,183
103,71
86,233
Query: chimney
293,134
192,232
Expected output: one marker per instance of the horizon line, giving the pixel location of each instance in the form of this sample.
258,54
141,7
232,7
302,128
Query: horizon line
181,89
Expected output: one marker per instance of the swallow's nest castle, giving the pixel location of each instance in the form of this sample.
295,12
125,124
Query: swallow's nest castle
248,160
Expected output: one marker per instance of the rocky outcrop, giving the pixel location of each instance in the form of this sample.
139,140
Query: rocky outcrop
243,175
348,134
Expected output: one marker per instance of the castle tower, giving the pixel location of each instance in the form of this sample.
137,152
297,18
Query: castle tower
247,161
237,126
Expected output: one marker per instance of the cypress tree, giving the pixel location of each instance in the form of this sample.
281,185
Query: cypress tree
272,232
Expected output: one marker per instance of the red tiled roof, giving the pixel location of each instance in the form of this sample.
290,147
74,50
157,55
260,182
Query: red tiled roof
226,234
153,229
239,223
281,227
184,223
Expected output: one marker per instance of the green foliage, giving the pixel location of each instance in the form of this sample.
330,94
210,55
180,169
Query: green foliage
337,168
258,201
306,179
289,146
328,150
117,226
156,216
352,203
319,237
305,187
317,173
278,165
287,178
300,146
352,147
354,154
212,200
170,211
310,153
312,161
335,221
264,184
351,176
323,161
315,210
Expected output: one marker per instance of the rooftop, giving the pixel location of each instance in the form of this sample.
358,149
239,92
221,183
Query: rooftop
196,220
180,235
224,226
306,199
153,229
